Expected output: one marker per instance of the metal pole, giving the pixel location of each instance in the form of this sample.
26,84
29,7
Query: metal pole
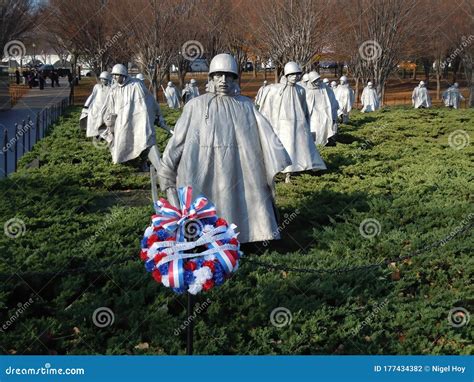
190,328
5,153
37,127
16,145
44,122
23,135
28,131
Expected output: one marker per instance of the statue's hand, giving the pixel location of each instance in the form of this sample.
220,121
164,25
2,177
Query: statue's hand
109,121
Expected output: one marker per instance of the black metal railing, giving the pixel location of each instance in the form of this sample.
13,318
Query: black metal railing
28,133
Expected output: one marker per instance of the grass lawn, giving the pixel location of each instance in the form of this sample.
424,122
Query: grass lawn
84,217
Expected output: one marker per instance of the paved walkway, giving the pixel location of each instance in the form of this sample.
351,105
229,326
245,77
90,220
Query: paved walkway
32,103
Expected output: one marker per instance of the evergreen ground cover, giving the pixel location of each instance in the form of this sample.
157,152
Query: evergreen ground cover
84,217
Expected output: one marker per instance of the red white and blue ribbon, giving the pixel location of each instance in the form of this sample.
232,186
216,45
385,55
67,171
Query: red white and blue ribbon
225,257
165,247
171,218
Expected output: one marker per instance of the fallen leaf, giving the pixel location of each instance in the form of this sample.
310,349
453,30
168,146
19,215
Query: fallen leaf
142,346
396,275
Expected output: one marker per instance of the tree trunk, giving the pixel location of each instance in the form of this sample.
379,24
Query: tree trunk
455,66
277,73
468,65
445,71
427,69
154,83
381,91
471,95
182,75
438,79
382,98
255,69
357,90
438,85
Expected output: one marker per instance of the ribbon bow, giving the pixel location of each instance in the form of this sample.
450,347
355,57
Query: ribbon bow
171,218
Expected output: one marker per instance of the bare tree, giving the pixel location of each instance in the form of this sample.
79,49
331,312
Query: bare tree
465,44
212,17
89,35
292,30
375,34
16,18
148,40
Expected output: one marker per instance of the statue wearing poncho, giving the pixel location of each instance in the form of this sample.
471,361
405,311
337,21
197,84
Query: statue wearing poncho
452,97
369,99
284,105
129,114
345,98
94,104
172,96
420,97
226,150
193,89
322,110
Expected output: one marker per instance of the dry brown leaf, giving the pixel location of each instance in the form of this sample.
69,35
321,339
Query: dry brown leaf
142,346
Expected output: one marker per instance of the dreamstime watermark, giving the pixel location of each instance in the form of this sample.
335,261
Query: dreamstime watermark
14,228
46,370
369,318
459,228
458,139
22,307
280,317
458,317
116,214
198,310
110,42
103,317
192,50
193,229
286,44
20,131
14,49
275,142
285,223
370,50
465,42
370,228
368,143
